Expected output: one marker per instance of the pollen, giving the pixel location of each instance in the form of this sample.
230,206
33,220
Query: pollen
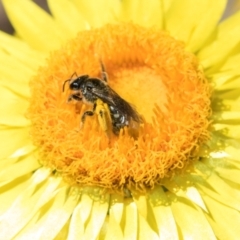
147,68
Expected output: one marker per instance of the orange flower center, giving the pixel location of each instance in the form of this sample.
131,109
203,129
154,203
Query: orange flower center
147,68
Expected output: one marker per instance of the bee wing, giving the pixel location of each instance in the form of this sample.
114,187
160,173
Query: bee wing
110,97
106,94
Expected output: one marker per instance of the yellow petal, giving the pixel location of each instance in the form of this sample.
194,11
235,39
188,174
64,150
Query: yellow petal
13,139
231,63
26,205
166,5
13,113
193,194
114,230
166,225
21,72
229,174
231,83
117,207
16,89
86,204
219,190
227,39
144,230
147,224
141,203
234,151
227,105
98,13
179,183
229,94
20,52
26,149
227,219
229,117
193,32
191,221
13,108
207,24
68,16
7,162
11,191
229,25
76,228
131,220
223,78
97,217
34,25
129,10
59,212
145,13
232,131
25,165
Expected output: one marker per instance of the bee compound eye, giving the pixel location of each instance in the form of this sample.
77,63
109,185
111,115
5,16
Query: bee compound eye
74,85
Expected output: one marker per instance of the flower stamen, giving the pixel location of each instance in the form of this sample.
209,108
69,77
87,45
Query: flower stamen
150,70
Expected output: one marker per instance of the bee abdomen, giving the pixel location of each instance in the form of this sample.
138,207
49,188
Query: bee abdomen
119,120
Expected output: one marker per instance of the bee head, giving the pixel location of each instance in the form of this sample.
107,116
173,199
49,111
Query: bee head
75,84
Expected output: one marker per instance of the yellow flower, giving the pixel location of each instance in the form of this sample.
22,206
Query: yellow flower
177,178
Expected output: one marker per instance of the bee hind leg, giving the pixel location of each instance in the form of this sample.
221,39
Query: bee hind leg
102,120
103,117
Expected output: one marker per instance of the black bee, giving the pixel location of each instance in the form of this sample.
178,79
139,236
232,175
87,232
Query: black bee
107,104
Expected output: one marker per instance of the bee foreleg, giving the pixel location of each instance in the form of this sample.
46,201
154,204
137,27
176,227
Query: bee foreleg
74,97
83,118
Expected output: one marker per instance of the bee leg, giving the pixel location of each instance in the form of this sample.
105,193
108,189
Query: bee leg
87,113
103,72
103,117
78,107
74,97
105,76
102,120
83,118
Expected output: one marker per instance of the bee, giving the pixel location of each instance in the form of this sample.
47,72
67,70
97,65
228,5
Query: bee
106,103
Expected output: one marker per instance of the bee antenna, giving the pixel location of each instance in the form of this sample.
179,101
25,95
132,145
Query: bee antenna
69,80
65,84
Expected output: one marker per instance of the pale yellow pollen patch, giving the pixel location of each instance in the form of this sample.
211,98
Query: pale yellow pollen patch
144,83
